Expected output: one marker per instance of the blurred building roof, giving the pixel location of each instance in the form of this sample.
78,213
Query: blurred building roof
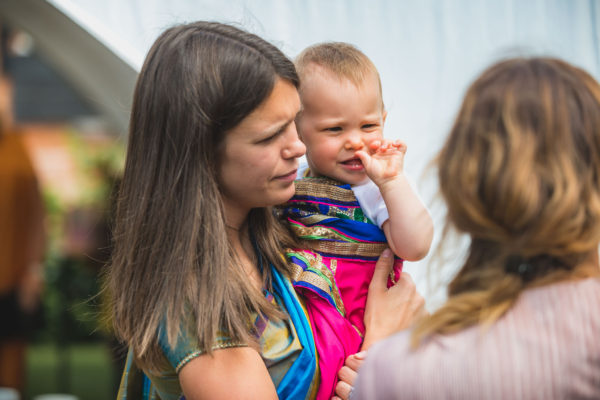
76,74
41,94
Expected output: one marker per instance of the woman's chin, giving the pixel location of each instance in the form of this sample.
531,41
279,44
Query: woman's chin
284,196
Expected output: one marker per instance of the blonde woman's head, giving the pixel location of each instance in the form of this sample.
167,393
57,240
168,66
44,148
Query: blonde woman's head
520,169
519,174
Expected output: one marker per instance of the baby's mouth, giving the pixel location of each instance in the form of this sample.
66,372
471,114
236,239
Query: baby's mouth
353,162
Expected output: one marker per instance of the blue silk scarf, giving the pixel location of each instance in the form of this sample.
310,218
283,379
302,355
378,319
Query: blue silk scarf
300,380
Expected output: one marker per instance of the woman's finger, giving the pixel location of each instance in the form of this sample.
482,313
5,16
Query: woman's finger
382,270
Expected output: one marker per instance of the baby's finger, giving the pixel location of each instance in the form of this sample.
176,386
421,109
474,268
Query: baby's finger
342,389
374,145
400,145
364,156
347,375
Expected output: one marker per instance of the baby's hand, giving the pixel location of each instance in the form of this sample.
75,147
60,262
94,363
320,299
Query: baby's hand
384,161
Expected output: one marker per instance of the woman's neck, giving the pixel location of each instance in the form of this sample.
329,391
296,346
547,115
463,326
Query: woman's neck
244,252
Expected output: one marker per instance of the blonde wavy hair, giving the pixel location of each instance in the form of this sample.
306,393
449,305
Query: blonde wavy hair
519,174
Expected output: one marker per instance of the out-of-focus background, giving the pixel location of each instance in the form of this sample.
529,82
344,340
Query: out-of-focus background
68,68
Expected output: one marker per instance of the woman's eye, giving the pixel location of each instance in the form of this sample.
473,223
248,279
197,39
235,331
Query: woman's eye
268,138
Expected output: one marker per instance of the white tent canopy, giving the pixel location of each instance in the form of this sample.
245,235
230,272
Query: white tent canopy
427,51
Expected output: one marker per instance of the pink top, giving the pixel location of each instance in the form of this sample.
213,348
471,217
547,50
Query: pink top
546,347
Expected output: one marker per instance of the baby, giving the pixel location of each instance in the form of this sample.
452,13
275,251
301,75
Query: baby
352,200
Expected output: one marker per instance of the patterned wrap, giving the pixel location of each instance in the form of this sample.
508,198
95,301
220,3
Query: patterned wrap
287,348
335,267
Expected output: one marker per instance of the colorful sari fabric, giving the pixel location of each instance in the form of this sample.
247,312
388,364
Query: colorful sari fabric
287,347
334,269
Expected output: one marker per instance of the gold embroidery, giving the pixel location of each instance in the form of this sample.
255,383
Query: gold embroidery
393,276
348,248
191,356
320,231
313,219
316,262
299,275
333,266
322,187
357,331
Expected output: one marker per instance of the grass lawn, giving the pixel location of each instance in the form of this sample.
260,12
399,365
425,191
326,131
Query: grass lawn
84,370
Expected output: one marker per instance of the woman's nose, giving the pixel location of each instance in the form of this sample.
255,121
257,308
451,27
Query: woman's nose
294,148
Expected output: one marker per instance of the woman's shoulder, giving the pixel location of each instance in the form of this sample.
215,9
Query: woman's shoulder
560,308
555,326
583,287
187,346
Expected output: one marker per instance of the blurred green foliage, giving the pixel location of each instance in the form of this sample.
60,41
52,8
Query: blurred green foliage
89,376
78,242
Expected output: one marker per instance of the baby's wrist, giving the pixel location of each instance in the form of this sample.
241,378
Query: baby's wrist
392,183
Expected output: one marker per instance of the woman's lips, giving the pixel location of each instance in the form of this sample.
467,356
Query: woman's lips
289,177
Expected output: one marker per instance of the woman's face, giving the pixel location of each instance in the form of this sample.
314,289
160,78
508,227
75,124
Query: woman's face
259,159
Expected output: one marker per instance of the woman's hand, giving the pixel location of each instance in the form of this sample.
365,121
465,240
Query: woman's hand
390,310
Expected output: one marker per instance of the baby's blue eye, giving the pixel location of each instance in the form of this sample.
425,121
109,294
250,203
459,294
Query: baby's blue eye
334,129
369,126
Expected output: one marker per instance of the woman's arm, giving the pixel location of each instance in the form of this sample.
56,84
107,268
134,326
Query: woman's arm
234,373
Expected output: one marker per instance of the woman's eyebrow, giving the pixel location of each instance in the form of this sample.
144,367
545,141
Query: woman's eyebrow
279,128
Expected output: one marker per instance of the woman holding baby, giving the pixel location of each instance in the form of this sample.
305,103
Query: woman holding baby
201,291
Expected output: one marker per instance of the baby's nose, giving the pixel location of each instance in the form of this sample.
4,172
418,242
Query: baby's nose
354,144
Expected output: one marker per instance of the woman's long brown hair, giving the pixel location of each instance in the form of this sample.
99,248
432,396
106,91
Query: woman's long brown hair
520,175
172,259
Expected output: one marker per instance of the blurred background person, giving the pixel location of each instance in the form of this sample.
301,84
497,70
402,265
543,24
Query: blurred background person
22,239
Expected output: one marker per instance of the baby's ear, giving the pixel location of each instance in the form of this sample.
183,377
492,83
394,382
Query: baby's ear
384,115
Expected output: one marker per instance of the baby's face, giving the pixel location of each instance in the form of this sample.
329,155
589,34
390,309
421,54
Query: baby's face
338,119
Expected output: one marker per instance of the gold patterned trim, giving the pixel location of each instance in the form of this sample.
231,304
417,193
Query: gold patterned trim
304,232
316,262
325,188
333,265
300,275
197,353
314,218
358,331
348,248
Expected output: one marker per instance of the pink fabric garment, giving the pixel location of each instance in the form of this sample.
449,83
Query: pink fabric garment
353,278
338,336
335,339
